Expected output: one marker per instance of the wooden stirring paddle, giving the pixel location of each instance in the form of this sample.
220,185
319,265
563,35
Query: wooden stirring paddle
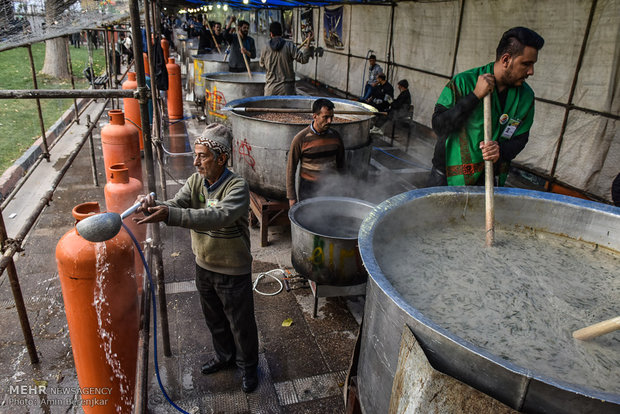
597,329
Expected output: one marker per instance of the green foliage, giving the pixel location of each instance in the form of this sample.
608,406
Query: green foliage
19,120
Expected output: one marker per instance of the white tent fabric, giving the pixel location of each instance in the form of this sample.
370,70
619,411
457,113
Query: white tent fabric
427,41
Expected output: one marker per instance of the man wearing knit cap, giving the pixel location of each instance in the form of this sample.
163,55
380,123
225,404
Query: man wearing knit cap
214,204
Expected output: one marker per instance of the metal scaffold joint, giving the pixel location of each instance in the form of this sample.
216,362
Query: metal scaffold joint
11,244
142,94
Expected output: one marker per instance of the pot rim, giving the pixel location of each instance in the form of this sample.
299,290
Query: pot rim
380,212
314,200
243,101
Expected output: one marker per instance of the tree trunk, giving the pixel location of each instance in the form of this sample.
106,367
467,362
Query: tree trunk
55,63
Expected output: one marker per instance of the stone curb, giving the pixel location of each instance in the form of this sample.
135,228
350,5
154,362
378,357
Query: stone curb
14,173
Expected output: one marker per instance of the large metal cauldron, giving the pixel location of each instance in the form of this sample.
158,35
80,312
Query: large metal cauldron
324,239
386,311
261,146
210,63
232,86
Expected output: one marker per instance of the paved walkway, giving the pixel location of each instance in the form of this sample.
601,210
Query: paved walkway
302,367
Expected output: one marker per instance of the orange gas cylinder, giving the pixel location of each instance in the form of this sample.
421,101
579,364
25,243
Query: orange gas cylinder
121,192
147,68
165,45
132,106
179,143
175,97
101,305
119,143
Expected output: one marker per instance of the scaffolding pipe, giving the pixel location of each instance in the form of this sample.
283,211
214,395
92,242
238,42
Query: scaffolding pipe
142,363
89,47
571,93
159,264
14,247
93,161
113,44
46,151
134,12
106,53
157,106
68,93
31,169
39,39
75,105
19,299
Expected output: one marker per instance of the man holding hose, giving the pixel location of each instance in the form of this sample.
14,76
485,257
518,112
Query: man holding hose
214,205
458,119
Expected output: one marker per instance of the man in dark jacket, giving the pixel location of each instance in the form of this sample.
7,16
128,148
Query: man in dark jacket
399,108
236,62
206,44
382,94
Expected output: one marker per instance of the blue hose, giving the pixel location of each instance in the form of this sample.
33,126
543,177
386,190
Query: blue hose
148,273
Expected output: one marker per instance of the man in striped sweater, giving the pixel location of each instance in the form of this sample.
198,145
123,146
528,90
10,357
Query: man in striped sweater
318,150
214,205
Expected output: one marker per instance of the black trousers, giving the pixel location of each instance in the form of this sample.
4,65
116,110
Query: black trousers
228,307
436,178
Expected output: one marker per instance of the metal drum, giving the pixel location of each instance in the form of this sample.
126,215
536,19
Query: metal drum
520,386
218,62
209,63
324,239
223,87
261,146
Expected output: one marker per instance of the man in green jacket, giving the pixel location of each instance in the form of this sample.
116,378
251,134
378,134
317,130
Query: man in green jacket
214,205
458,119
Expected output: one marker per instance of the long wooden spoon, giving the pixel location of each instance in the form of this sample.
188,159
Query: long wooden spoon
488,176
597,329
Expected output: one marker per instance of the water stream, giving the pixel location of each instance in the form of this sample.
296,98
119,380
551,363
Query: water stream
104,325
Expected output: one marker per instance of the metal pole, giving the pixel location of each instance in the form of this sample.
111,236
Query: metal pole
457,42
113,42
89,47
93,162
106,53
571,95
75,106
19,299
7,199
68,93
390,43
114,83
44,201
159,264
142,363
46,152
157,122
134,12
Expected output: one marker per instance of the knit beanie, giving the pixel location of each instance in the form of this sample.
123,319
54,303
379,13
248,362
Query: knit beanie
217,137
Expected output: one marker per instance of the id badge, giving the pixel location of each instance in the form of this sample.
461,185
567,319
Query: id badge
211,203
510,129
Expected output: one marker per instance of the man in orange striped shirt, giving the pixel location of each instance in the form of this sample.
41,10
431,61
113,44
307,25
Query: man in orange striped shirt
318,148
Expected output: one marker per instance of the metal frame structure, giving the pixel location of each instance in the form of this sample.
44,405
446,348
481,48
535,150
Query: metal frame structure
10,246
